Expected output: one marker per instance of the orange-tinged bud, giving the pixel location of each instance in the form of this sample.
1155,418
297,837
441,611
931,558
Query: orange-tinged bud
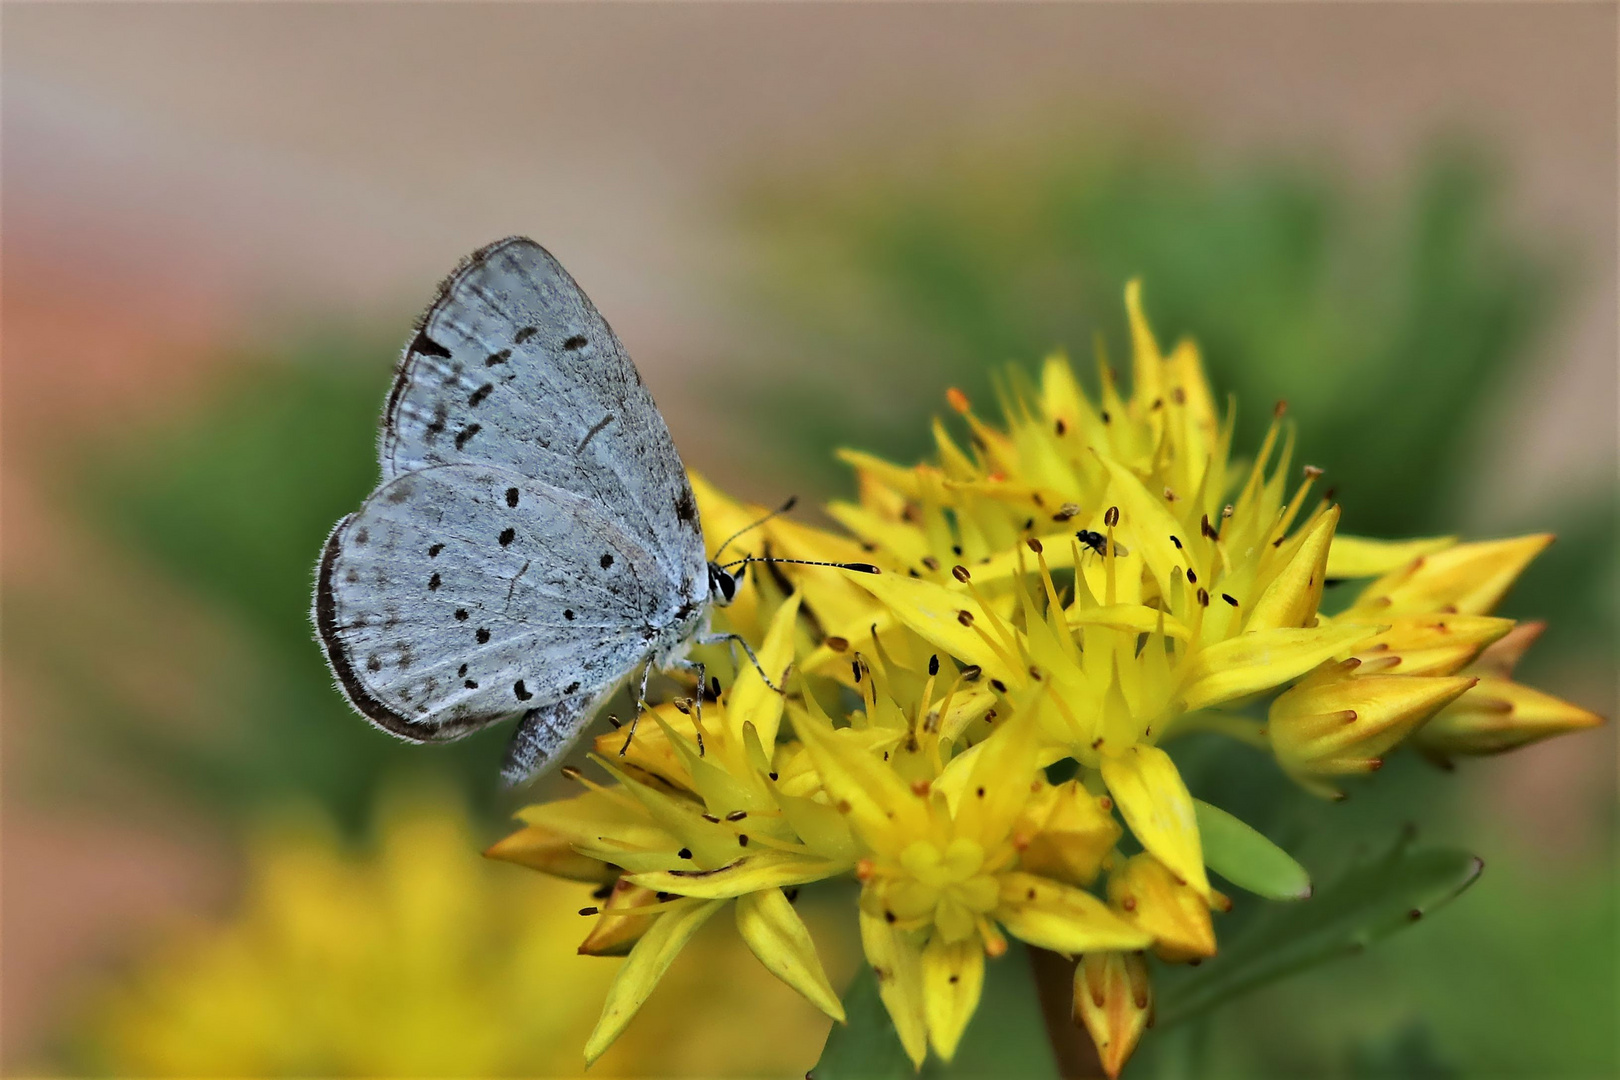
1499,714
1066,833
958,400
1114,999
1502,656
1152,899
549,852
614,935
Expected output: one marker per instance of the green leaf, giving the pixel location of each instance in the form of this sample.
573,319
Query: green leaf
1006,1037
1246,858
1367,903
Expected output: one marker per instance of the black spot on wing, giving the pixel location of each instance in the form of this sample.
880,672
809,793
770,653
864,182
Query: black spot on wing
607,560
520,691
433,552
524,334
686,507
507,535
482,636
423,345
466,433
498,358
575,343
480,394
511,496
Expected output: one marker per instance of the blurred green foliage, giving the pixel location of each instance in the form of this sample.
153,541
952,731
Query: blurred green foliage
1385,323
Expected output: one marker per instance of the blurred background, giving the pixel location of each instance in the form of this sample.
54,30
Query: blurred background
805,222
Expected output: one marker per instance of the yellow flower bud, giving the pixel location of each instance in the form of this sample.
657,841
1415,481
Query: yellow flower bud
1066,832
550,852
1155,901
1497,715
613,934
1338,722
1114,999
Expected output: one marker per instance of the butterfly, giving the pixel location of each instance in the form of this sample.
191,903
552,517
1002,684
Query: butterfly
534,538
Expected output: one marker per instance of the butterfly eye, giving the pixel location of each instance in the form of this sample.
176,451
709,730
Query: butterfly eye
728,587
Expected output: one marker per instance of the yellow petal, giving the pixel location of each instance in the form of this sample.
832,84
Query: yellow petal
1051,915
750,700
1114,999
1294,594
1138,618
1156,902
646,964
767,869
1497,715
1359,557
822,828
1157,806
1145,356
881,808
1250,663
1145,526
578,822
680,820
773,929
896,960
1468,578
953,978
906,479
998,785
935,612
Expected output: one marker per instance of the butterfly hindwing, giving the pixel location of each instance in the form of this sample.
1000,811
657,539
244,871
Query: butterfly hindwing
460,595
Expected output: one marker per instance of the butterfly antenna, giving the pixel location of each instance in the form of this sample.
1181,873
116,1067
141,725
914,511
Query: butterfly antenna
858,567
784,508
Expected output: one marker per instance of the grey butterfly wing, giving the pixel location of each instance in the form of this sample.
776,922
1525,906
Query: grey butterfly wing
461,595
513,366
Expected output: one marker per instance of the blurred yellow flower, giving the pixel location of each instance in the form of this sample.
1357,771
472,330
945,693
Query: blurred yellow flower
418,959
1091,580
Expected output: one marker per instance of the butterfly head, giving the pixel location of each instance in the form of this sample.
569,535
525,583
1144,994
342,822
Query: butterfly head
723,584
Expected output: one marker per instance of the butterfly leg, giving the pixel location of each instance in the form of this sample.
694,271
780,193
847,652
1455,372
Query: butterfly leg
696,666
738,639
641,703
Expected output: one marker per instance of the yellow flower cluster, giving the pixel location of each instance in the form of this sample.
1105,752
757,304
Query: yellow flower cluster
416,958
1089,581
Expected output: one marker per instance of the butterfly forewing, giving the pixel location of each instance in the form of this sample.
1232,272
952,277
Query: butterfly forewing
513,366
460,595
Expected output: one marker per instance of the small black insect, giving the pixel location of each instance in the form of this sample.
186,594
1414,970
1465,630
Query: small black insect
1097,542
